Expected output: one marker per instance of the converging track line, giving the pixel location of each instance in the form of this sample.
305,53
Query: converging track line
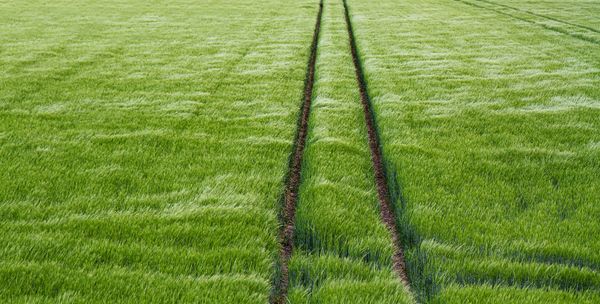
290,195
387,211
543,16
558,30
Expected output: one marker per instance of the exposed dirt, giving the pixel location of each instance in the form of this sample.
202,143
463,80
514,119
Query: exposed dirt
290,196
386,207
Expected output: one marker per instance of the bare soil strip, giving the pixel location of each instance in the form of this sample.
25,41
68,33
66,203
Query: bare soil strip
290,195
386,207
555,29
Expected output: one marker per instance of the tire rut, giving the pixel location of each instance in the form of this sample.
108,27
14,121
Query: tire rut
293,178
386,207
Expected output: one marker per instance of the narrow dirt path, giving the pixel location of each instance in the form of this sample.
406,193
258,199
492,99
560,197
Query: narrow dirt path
290,195
386,207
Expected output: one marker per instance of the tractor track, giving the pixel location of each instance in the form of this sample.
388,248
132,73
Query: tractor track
543,16
290,195
386,207
547,27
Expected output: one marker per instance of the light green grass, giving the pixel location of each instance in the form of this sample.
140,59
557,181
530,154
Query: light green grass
342,249
143,147
490,126
572,19
580,12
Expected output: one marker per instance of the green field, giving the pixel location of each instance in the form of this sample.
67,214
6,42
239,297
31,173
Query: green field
145,147
343,250
493,137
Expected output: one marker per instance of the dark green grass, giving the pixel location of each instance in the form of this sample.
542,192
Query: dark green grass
143,147
342,249
490,127
487,294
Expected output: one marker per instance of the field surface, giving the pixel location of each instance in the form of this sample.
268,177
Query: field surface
490,125
343,251
146,147
578,13
143,146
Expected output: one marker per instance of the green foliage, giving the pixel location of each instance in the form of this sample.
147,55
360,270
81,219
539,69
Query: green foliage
143,147
489,124
497,294
343,249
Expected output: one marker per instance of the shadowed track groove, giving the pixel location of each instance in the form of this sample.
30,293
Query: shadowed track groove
290,195
386,207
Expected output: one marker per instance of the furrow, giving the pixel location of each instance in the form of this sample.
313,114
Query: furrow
386,207
290,195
